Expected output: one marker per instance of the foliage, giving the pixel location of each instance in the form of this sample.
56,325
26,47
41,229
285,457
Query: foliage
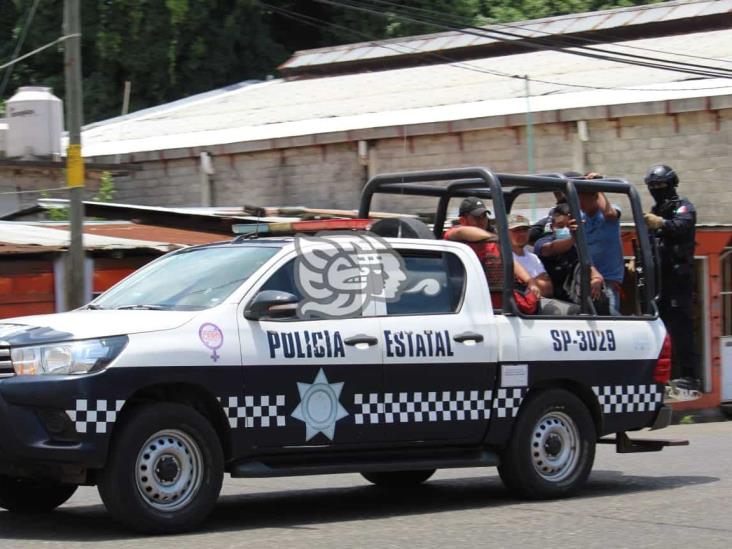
105,193
106,190
57,214
169,49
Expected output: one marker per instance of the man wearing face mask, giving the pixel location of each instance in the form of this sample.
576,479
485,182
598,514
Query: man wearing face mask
672,221
543,227
558,252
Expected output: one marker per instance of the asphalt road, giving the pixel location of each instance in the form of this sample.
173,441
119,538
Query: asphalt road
681,497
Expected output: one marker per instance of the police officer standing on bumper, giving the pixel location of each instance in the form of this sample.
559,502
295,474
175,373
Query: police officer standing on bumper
672,220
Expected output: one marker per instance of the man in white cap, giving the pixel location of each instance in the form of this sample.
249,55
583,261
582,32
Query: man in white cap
518,228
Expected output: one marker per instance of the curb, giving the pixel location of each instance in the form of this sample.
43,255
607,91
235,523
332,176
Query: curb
703,415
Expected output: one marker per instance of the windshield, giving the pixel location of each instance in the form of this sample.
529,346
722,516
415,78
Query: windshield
187,281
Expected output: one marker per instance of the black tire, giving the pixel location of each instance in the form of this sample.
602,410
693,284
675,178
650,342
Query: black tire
20,495
398,479
182,453
552,447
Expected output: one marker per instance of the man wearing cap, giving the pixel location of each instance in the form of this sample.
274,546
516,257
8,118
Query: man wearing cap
518,229
472,230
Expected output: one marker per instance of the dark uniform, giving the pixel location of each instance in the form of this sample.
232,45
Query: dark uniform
676,241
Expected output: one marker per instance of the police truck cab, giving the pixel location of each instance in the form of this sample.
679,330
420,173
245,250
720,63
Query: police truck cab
374,352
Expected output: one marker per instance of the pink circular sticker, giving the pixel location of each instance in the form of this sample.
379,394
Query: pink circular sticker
212,337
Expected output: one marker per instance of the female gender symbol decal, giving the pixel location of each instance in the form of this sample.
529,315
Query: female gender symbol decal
212,337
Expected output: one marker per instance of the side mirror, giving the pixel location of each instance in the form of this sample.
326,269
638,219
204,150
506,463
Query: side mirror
271,304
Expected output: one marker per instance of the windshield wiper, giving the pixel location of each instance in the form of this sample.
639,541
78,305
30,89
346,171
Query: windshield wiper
94,307
143,307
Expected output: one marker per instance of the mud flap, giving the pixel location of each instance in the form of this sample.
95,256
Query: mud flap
624,445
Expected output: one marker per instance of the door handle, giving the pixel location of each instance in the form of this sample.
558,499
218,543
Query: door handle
360,338
468,336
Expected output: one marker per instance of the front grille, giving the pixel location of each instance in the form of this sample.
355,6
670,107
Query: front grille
6,367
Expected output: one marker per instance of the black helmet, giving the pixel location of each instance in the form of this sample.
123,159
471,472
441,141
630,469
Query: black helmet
662,174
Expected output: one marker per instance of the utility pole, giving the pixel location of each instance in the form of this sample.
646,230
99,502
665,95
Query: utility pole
74,162
530,144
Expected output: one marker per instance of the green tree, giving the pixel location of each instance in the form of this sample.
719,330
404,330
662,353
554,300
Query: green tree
170,49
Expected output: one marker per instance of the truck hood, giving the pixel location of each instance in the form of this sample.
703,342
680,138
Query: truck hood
86,324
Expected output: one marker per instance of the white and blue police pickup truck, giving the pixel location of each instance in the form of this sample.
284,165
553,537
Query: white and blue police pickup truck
348,352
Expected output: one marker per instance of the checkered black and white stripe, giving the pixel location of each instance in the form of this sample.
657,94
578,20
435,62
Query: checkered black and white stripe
507,402
254,411
94,416
618,399
420,407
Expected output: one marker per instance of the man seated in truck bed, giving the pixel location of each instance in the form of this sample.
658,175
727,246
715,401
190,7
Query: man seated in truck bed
472,230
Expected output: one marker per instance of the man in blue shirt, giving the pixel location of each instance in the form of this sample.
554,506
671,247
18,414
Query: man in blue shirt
602,230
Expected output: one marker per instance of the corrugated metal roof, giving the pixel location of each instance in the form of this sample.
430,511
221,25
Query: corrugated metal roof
147,233
435,93
42,239
563,24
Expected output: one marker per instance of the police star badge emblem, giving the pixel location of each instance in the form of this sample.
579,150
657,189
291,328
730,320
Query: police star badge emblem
319,406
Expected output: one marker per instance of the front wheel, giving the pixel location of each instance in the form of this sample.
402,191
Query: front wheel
398,479
21,495
165,469
552,448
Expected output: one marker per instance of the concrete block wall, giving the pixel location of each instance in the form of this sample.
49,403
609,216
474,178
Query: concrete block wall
22,187
162,183
698,144
324,175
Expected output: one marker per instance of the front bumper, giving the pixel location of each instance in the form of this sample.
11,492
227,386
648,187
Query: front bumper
38,437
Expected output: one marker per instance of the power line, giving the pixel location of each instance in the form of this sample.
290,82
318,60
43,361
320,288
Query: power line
562,40
19,44
583,51
319,23
464,21
29,191
543,43
38,50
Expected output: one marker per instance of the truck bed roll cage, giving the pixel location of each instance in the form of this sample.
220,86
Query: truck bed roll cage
503,189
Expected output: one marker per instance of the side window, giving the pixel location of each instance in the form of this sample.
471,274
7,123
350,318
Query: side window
283,280
434,285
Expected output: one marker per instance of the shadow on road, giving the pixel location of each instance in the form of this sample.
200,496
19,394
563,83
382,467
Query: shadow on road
299,509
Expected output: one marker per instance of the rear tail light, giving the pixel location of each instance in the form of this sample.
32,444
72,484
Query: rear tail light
662,371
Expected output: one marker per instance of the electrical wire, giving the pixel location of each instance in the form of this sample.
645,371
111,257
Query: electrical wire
401,48
465,21
29,191
19,44
563,41
542,45
38,50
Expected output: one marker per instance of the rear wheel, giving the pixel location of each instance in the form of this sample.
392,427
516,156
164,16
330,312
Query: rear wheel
398,479
21,495
552,448
165,469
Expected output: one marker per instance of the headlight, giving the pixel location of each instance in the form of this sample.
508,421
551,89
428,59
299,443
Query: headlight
71,357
